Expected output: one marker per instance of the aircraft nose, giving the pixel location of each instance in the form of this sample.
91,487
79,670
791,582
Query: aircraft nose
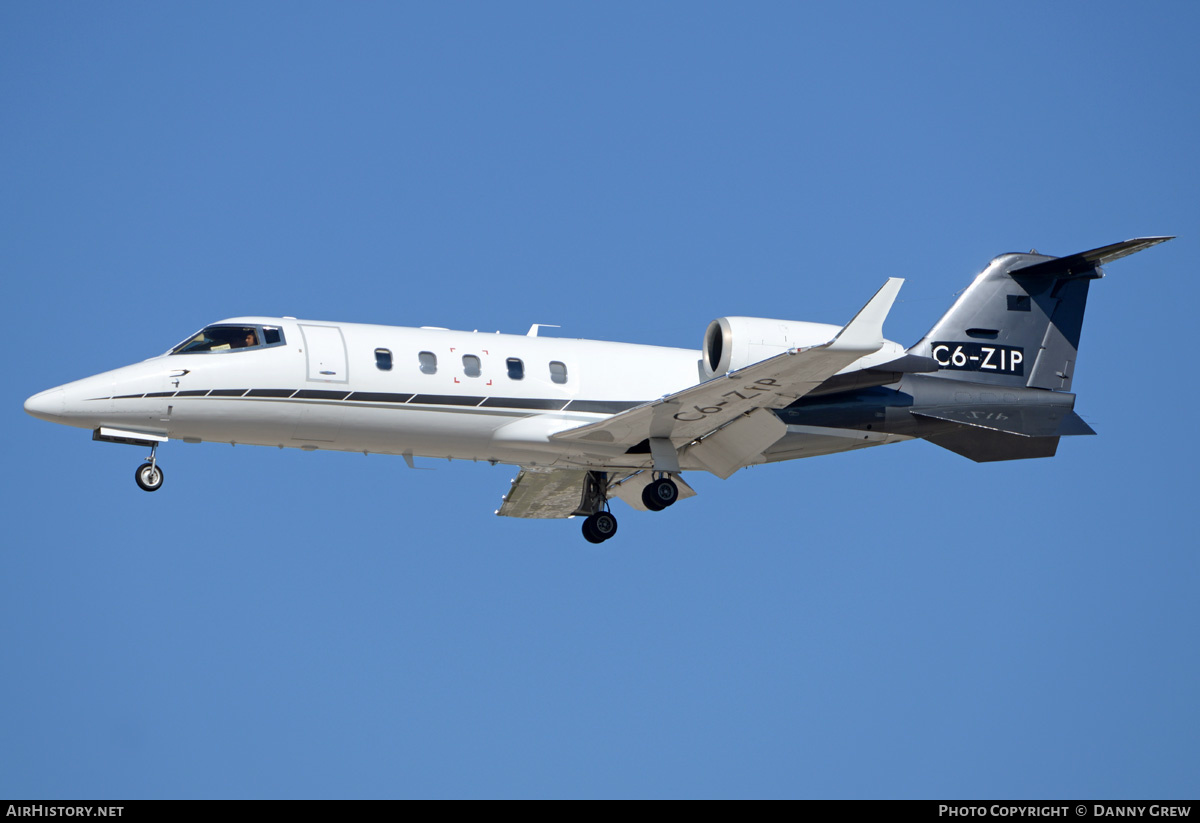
47,405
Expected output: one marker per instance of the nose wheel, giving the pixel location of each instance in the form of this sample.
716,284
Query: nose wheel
149,476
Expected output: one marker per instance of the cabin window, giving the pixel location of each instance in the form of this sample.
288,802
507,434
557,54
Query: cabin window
428,362
471,366
558,371
516,369
230,338
383,359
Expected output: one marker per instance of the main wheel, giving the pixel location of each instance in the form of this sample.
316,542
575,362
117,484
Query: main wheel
660,494
149,477
589,534
650,499
599,527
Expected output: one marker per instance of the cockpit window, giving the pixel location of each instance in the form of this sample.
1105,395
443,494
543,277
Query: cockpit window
228,338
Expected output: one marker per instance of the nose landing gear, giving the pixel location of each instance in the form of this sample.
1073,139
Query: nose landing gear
149,476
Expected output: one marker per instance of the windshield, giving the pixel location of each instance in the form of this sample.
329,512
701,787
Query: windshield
228,338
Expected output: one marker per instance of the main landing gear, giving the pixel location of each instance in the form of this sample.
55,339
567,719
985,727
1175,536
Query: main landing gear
599,527
660,493
600,523
148,475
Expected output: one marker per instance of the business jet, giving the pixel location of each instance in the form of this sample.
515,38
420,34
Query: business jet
589,421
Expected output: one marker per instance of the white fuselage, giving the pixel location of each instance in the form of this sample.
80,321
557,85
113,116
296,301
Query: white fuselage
324,389
447,394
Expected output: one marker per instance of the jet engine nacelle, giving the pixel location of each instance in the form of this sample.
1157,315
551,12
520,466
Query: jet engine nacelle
735,342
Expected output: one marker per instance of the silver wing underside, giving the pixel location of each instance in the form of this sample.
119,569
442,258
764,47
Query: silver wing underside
551,493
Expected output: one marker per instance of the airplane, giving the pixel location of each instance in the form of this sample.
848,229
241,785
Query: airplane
588,421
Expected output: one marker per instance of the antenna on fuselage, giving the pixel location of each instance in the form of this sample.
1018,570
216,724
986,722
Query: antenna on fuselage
533,330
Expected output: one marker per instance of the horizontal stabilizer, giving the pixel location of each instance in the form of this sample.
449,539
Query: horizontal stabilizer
1025,421
1085,263
984,446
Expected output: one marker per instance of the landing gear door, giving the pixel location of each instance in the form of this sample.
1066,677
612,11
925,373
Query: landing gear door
325,351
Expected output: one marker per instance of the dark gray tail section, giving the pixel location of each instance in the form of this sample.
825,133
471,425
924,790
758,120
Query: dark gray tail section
1018,323
1006,355
987,423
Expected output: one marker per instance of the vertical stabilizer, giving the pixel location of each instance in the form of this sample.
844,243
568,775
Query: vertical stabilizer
1019,322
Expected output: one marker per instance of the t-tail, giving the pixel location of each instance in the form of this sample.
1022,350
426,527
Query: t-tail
1010,342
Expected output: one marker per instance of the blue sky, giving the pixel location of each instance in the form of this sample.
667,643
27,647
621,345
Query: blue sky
898,622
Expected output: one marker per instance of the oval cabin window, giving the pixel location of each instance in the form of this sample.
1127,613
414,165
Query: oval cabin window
428,362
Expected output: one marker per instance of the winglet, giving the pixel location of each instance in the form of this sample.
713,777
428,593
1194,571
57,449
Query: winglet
865,331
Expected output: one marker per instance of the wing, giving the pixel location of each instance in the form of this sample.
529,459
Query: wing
730,405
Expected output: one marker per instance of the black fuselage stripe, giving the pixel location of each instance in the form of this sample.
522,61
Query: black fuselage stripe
446,400
281,393
320,394
379,397
523,403
601,406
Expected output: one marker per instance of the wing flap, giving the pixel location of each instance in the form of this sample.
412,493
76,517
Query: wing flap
737,444
544,493
629,489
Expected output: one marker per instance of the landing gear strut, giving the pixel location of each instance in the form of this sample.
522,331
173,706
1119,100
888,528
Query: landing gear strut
600,524
660,493
148,475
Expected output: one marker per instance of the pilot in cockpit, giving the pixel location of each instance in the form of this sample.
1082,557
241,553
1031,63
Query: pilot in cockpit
250,339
